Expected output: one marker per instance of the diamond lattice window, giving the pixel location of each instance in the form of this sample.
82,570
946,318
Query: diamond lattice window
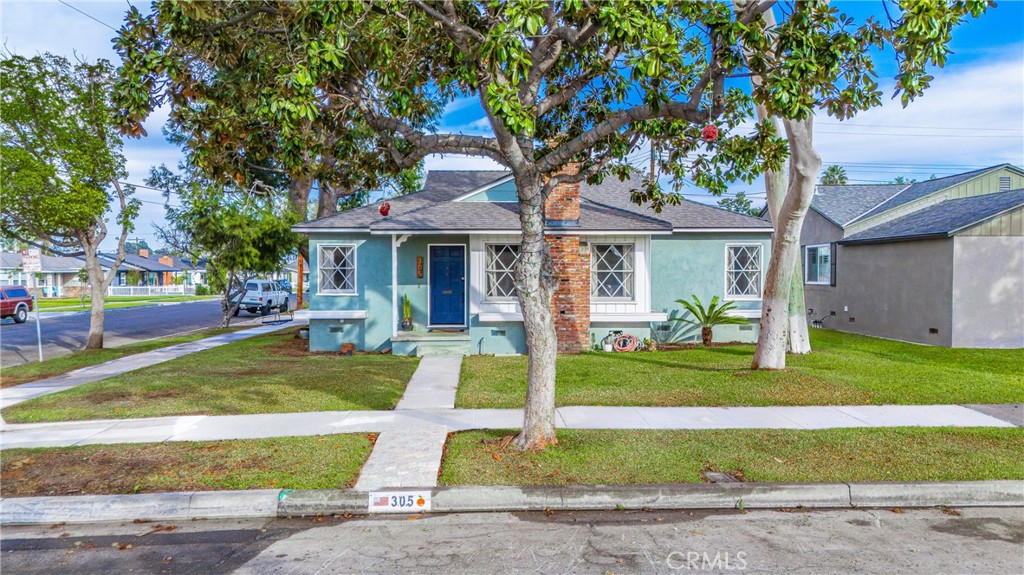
743,272
611,271
501,274
337,267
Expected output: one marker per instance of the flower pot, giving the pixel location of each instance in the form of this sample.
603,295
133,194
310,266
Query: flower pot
606,346
406,325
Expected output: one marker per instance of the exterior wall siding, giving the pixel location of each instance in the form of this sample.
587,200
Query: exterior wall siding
1010,224
988,291
373,295
683,264
985,184
899,290
688,264
819,230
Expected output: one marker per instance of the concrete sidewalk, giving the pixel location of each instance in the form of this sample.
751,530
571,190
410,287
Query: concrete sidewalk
208,428
26,391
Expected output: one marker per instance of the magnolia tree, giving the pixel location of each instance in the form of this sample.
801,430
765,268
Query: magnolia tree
62,166
239,232
806,58
573,83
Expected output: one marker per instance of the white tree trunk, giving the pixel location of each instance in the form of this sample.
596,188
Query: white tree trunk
804,163
799,338
535,280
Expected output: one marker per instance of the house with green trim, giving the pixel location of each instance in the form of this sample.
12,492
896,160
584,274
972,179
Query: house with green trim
938,262
451,248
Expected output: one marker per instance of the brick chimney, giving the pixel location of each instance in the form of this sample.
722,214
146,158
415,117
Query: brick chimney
144,252
571,301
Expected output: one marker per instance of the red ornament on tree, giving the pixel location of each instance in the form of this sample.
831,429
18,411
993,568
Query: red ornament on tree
384,209
709,133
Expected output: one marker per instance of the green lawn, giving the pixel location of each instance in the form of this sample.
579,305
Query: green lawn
24,373
650,457
111,302
267,374
331,461
844,369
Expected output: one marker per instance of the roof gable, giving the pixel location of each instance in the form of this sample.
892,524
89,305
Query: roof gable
919,190
941,220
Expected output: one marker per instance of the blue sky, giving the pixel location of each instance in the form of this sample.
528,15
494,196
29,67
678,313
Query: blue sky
973,116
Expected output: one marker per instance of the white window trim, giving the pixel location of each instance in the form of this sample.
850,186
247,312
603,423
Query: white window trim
483,286
465,288
807,263
355,270
725,275
623,300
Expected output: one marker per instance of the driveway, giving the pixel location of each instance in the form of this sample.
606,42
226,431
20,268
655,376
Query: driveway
66,333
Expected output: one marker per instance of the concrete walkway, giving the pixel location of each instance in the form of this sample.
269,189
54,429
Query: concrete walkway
26,391
208,428
408,454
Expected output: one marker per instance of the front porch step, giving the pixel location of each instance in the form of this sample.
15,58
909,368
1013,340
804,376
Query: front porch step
422,344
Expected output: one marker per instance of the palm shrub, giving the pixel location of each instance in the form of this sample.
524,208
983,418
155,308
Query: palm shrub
708,317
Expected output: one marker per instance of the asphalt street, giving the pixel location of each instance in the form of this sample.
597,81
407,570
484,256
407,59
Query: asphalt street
926,541
66,333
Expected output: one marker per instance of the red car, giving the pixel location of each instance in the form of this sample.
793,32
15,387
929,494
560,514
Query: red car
15,302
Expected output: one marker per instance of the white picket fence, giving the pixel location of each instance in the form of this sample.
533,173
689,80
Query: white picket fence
151,290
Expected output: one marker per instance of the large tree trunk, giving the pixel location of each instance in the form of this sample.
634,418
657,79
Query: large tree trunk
327,204
535,280
97,294
776,187
799,339
804,163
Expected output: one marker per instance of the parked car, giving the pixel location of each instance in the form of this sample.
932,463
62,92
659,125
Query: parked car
15,303
286,285
262,296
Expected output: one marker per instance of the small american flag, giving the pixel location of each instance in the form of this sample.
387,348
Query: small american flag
381,501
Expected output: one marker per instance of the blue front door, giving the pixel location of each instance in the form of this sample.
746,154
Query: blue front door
448,285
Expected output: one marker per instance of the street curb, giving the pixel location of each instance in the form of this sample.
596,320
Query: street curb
302,503
150,506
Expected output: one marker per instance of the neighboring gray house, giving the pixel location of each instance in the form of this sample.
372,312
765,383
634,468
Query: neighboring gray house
939,262
59,277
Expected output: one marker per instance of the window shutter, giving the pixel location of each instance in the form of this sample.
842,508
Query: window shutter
832,248
801,261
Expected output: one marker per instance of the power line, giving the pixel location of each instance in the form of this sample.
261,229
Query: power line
87,15
845,125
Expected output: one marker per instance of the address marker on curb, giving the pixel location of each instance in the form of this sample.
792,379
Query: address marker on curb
398,501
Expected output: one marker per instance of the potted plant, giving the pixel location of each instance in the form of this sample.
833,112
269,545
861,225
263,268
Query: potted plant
649,344
406,314
708,317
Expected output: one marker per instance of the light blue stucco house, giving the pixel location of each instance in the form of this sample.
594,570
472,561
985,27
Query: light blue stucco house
450,248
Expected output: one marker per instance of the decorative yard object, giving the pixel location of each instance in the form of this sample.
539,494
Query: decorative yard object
384,209
708,317
406,314
347,349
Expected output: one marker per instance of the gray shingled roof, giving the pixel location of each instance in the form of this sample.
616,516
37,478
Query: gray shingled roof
439,186
922,189
686,215
604,207
137,262
55,264
941,220
843,204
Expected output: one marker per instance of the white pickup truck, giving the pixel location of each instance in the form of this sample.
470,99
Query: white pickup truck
262,296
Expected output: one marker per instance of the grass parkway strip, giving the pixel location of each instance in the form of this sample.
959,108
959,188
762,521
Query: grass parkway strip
271,373
845,369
